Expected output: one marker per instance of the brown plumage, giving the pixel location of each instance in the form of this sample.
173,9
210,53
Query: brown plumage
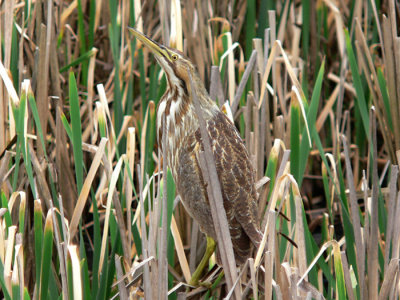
235,171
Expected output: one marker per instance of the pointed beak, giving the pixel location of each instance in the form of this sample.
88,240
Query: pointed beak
157,49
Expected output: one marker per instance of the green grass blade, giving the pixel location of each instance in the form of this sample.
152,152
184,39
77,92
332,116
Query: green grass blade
16,291
86,280
84,58
385,96
171,190
295,114
85,284
46,257
20,115
15,57
38,215
311,119
97,246
264,7
305,30
35,113
142,81
101,293
7,215
272,167
250,26
66,125
19,149
361,100
21,215
340,283
76,131
26,294
114,31
70,278
150,138
82,42
92,12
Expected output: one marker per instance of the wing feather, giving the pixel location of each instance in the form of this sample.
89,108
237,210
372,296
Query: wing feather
236,175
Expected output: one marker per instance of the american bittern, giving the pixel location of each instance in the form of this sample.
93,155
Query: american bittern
176,111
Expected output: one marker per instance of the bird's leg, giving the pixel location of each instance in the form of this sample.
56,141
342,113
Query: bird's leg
204,261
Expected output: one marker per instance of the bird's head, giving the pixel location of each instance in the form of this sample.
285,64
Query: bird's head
174,63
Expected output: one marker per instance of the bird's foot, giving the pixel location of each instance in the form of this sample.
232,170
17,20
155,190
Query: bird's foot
194,281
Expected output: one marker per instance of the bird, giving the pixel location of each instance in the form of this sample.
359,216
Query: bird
177,118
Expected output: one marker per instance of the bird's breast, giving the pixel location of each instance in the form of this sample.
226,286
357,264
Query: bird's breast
175,118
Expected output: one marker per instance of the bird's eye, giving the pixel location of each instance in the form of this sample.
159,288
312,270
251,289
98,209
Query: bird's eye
174,57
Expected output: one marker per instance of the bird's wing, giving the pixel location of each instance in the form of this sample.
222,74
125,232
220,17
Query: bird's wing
236,176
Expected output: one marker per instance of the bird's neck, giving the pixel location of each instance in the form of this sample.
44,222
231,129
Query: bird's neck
177,116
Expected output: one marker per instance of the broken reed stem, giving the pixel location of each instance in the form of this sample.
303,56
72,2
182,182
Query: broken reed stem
242,84
162,260
216,202
373,275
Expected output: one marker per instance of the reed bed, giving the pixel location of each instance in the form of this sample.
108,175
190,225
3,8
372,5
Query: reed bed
88,209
